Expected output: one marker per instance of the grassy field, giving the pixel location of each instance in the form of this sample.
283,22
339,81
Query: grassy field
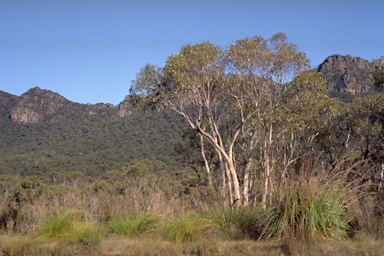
117,245
319,215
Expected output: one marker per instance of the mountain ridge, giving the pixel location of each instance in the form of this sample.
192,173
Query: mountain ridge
36,105
42,131
346,77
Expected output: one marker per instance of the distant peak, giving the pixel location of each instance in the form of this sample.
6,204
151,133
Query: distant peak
37,91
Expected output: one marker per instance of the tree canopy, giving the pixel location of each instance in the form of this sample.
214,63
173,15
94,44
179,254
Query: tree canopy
226,94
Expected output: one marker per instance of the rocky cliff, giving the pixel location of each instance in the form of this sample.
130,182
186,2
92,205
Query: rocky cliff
347,74
37,105
34,105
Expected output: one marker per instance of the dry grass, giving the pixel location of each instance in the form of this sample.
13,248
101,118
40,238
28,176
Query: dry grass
113,246
204,228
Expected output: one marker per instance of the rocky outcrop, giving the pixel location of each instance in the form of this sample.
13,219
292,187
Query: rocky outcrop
36,104
347,74
7,99
125,108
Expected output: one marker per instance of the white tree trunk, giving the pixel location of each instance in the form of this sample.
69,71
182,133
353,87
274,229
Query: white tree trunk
247,169
207,168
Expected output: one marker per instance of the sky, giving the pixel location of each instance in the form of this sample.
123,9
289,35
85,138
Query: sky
89,51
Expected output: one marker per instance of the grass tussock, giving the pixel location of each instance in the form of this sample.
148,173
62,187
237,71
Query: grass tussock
86,233
70,226
311,208
134,225
237,223
186,228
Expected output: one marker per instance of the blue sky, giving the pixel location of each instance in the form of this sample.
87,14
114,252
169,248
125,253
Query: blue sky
89,51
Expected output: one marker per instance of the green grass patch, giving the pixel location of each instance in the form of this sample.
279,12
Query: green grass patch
186,228
237,223
56,225
69,226
134,225
85,232
310,212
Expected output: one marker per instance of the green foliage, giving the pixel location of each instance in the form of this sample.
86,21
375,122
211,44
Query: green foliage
99,186
134,225
84,232
360,128
70,226
306,215
59,224
28,190
310,208
237,223
186,228
90,144
307,106
377,70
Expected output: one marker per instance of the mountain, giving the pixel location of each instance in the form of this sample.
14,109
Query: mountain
38,105
35,105
42,132
347,76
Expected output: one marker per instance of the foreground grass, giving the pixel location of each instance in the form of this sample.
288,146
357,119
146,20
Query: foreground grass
112,245
309,215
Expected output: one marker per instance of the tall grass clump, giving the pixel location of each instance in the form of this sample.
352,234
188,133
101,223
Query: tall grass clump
186,228
311,207
58,224
69,226
84,232
237,222
134,225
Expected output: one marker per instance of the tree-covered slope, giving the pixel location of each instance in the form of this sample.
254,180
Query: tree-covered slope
86,138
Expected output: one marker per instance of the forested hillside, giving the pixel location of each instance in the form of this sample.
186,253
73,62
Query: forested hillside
43,132
85,138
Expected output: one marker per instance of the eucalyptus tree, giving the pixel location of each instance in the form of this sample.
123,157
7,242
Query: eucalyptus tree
363,125
378,72
306,116
228,95
262,68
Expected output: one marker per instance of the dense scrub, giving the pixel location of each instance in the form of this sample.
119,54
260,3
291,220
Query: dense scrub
88,144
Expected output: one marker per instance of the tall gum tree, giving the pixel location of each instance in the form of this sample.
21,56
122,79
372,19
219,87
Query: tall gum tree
262,68
225,95
305,116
